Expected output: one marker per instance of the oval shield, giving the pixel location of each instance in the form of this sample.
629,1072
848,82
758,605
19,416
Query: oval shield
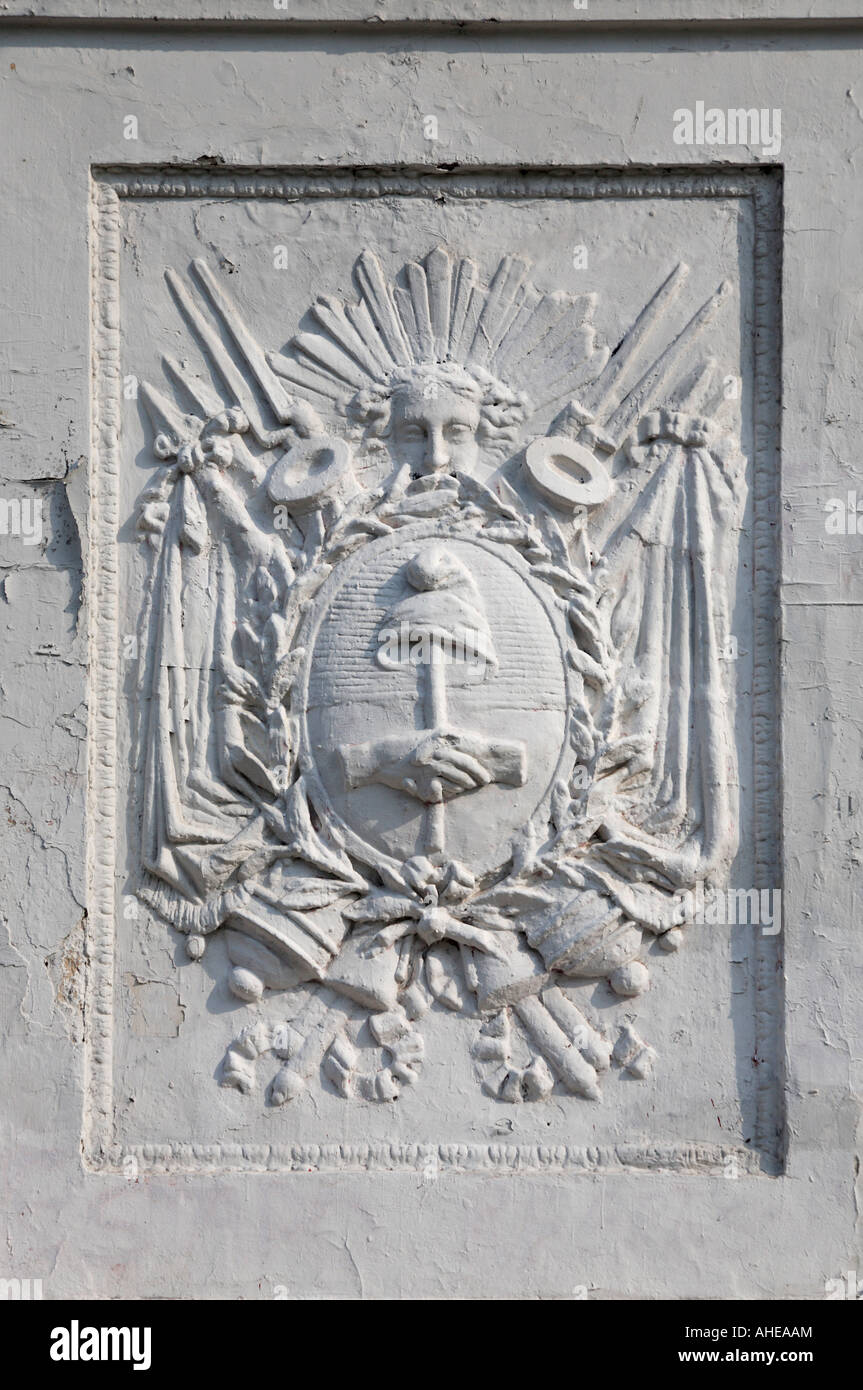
436,696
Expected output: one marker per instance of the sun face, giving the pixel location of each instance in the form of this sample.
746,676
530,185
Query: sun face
434,428
438,417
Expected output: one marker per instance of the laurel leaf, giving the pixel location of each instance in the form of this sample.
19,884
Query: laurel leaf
380,907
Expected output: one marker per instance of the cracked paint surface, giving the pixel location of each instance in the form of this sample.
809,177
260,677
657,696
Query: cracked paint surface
525,98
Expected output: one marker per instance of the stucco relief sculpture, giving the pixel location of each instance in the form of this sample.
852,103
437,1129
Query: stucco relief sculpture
435,713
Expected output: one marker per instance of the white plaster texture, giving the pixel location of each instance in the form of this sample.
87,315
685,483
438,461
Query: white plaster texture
727,1133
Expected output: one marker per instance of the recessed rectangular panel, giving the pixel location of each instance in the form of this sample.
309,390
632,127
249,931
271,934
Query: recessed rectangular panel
433,782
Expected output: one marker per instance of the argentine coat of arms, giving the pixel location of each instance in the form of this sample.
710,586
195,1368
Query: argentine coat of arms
434,705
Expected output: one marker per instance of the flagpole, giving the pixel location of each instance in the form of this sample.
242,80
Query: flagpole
434,710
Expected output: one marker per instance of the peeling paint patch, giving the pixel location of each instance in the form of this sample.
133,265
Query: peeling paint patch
155,1008
68,971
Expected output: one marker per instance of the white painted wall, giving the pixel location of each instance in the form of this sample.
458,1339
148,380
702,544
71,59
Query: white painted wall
620,1219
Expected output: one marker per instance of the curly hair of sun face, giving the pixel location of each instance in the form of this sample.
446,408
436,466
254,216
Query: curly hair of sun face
502,411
